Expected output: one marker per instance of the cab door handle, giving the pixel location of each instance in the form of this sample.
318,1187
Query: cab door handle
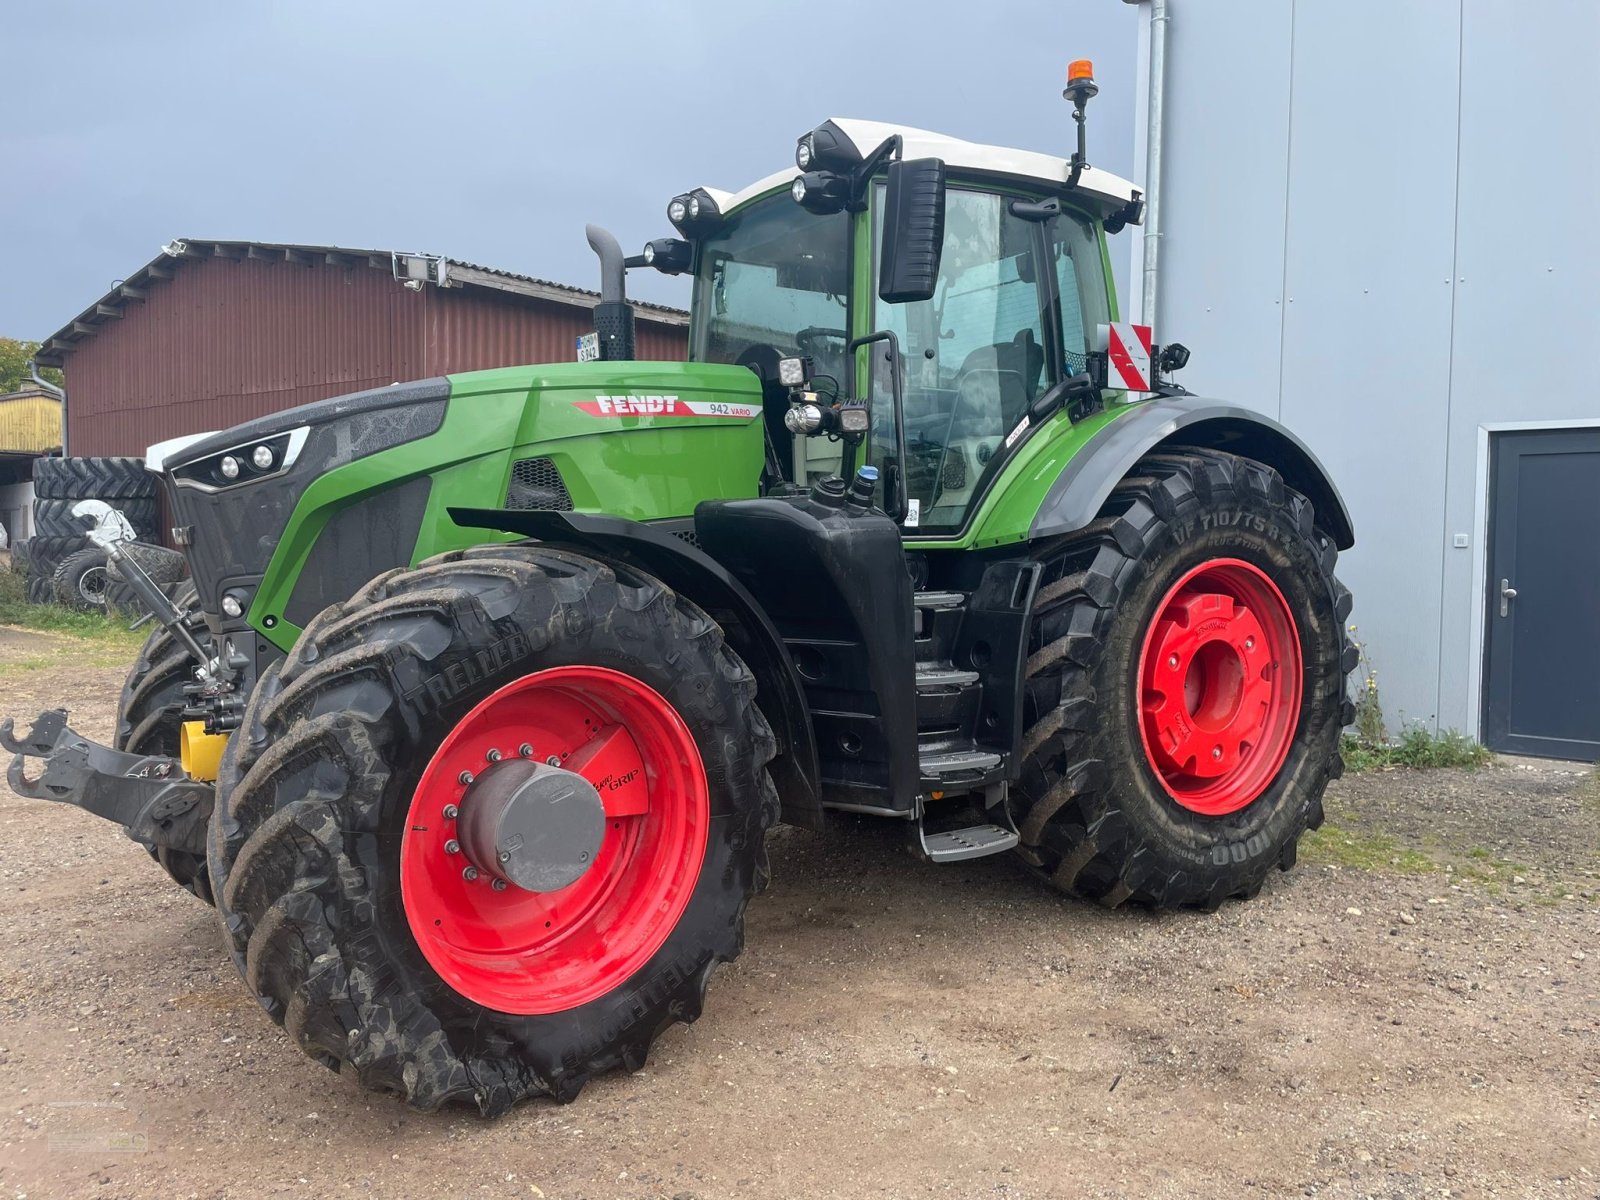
1507,595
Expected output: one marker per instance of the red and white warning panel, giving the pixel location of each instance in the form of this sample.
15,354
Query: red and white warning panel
1127,349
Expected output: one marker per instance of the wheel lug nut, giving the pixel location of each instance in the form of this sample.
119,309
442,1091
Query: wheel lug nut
499,885
504,857
464,777
525,751
1249,643
554,760
451,812
1216,752
1172,661
452,847
469,873
493,756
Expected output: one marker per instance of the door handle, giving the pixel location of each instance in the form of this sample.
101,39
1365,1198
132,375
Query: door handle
1507,595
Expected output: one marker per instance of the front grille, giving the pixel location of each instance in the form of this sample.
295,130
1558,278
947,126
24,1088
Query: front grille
536,485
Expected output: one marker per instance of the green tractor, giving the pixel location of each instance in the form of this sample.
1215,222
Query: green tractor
492,685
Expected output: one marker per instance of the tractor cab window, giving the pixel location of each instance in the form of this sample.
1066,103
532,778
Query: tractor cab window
974,356
772,282
1080,277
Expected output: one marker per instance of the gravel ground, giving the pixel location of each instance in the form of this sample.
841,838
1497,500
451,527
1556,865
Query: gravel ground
1414,1011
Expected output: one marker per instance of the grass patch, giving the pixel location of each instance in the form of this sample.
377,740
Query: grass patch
1417,748
1339,846
112,632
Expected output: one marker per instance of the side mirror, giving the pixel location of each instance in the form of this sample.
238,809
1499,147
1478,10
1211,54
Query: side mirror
913,230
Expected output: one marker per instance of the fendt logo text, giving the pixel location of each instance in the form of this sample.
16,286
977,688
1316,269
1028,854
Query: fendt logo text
638,406
664,406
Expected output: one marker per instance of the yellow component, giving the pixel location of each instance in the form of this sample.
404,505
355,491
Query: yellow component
200,752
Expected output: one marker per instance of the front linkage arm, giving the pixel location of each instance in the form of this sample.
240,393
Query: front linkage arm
151,797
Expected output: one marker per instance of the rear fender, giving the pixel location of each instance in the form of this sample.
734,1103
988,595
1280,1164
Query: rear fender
693,574
1175,423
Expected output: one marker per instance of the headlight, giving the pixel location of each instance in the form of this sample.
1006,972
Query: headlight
670,256
803,419
821,191
853,418
694,213
243,464
826,148
793,372
232,605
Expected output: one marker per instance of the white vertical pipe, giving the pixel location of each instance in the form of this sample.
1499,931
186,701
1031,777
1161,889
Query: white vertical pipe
1149,292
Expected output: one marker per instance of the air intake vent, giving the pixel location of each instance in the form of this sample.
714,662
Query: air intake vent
536,484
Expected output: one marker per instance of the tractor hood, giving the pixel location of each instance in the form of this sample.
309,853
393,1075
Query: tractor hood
299,509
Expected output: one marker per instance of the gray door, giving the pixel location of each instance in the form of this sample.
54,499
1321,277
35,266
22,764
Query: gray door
1542,682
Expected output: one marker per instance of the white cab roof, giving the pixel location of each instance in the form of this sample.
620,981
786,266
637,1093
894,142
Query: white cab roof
1110,191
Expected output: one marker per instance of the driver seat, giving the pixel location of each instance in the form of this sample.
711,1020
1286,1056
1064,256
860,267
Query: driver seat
1018,366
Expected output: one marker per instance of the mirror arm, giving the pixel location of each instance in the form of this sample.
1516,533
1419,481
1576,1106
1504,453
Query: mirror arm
895,484
861,175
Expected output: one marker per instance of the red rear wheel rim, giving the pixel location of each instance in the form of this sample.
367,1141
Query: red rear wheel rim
525,952
1219,686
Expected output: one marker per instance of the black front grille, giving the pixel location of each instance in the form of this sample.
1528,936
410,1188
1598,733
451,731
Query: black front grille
360,541
536,485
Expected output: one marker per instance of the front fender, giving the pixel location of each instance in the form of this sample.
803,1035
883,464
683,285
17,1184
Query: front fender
694,574
1174,422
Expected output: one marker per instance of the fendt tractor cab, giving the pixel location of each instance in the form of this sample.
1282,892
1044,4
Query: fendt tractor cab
510,672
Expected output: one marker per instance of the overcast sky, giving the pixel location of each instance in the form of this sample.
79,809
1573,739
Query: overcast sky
489,131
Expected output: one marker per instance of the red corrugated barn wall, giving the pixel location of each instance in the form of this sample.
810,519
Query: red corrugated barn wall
224,340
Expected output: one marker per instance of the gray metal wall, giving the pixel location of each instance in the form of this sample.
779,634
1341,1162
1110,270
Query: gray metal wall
1380,228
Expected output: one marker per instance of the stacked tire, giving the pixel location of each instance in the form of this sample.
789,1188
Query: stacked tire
64,566
167,569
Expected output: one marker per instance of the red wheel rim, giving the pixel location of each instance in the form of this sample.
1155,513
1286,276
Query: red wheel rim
1219,686
526,952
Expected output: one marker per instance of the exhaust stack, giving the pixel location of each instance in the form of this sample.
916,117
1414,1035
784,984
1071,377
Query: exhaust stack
613,316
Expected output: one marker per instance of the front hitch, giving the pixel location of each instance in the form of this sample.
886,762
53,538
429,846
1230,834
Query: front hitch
151,797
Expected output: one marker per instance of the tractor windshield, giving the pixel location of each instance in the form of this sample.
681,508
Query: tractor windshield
773,281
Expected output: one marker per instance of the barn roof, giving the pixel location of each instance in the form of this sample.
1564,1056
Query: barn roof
412,269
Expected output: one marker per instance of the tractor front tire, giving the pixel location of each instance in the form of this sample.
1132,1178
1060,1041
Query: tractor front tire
357,905
1185,687
150,721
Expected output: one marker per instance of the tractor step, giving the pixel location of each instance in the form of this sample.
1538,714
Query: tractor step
973,830
975,841
936,676
951,767
940,599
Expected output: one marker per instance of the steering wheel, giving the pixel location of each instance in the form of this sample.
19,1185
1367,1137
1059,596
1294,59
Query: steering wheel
808,338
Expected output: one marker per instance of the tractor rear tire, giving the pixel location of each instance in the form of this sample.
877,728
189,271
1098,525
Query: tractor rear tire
328,844
1174,753
108,479
45,552
53,518
41,589
79,580
150,721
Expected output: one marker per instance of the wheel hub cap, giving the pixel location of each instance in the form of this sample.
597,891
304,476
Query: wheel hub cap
1219,686
536,826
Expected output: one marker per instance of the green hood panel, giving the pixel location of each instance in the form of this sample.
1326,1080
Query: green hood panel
641,440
